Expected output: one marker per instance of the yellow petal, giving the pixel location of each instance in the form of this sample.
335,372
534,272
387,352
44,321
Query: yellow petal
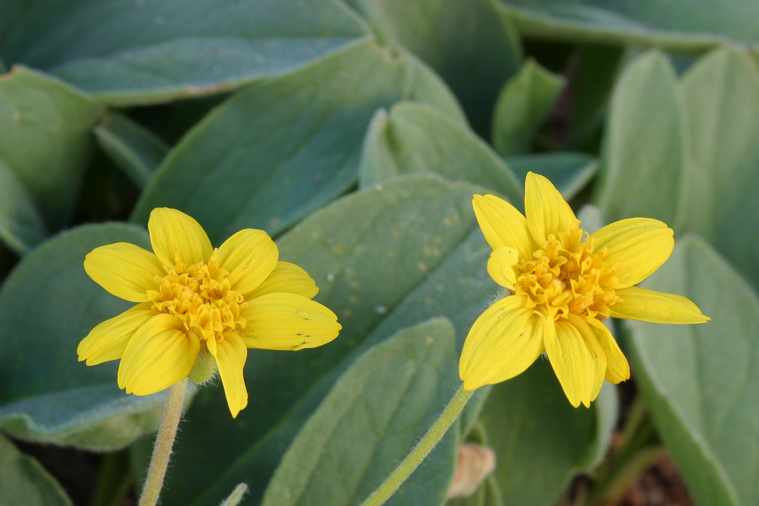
108,340
159,355
500,266
249,256
286,278
577,359
547,211
230,358
617,367
125,270
658,307
639,245
286,321
503,225
173,231
503,342
211,345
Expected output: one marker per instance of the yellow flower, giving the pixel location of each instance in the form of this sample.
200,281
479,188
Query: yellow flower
563,285
200,308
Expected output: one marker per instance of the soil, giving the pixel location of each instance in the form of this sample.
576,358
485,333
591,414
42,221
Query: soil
661,485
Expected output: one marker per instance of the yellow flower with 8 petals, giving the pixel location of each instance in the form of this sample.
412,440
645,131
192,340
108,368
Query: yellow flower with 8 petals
563,285
200,308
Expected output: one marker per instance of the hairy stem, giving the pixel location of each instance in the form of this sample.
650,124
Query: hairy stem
172,413
421,450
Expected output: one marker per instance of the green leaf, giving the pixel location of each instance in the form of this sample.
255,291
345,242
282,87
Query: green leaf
24,482
46,144
414,138
47,305
677,25
645,151
522,106
594,75
569,172
374,415
466,43
385,259
721,93
127,53
133,148
541,441
285,146
701,382
21,226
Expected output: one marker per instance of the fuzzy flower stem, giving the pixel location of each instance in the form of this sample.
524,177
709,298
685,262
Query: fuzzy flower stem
421,450
163,443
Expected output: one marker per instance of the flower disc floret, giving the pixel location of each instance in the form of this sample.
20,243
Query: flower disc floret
562,284
566,276
201,297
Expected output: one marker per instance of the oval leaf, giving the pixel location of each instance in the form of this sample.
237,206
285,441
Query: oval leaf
146,52
701,382
283,147
371,419
413,138
721,93
645,151
466,43
46,141
24,482
522,106
678,25
47,305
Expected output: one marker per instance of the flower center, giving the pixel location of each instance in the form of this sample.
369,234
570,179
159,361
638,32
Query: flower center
200,297
568,277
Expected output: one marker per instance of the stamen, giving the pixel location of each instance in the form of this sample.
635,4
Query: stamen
567,277
200,296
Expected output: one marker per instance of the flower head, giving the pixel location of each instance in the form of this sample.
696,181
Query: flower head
563,283
200,308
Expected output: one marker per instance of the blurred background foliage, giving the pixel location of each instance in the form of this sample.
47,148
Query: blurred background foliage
356,132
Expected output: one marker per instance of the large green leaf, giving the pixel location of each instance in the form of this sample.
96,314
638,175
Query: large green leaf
722,94
136,53
370,420
385,259
136,150
46,144
286,146
467,43
541,441
24,482
645,151
680,25
569,172
701,382
414,138
522,106
47,305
